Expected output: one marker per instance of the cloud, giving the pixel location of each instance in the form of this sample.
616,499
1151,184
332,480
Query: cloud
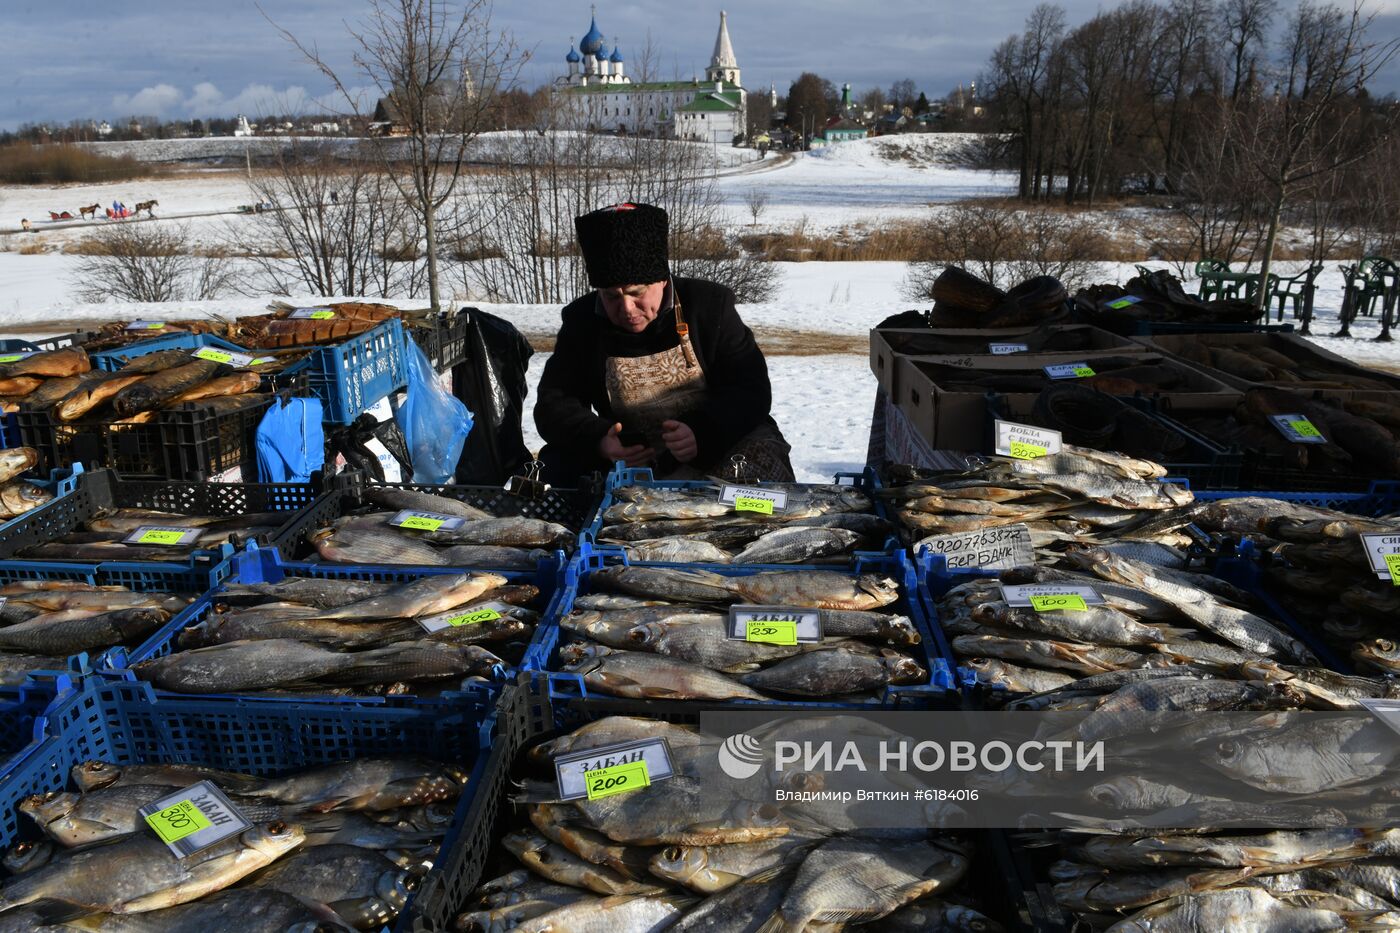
160,100
206,100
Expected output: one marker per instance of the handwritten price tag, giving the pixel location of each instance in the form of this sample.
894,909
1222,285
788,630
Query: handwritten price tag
745,504
14,357
1069,371
449,620
166,536
146,325
1305,428
1054,603
772,633
175,823
619,779
421,523
1392,564
1027,451
424,521
1126,301
214,356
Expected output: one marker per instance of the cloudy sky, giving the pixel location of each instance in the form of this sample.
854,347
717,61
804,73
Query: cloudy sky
107,59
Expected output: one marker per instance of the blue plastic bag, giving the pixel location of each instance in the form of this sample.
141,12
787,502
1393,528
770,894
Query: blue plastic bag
290,441
435,425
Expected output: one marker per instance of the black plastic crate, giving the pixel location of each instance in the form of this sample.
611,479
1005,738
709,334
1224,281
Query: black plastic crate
191,442
443,339
571,508
102,489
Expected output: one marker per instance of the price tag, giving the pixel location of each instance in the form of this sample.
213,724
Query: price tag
577,772
263,359
1392,566
164,535
747,504
1001,548
777,625
1126,301
194,819
1298,429
1069,371
1006,349
777,498
1058,603
223,356
619,779
1025,442
1024,596
454,619
426,521
772,633
16,357
314,314
1378,548
146,325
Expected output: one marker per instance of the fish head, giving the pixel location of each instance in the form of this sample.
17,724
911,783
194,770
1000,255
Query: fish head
274,839
579,652
903,669
1381,649
1264,670
525,846
880,586
395,888
28,855
986,669
680,863
91,775
959,919
45,808
646,634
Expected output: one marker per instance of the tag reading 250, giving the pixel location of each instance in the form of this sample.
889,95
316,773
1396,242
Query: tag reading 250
618,779
772,633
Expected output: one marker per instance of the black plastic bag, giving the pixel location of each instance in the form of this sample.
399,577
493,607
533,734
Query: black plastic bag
491,381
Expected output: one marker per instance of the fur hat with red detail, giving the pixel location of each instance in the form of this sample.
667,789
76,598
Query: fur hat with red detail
624,244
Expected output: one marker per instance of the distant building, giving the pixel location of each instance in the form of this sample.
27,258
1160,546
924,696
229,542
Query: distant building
601,93
242,127
844,129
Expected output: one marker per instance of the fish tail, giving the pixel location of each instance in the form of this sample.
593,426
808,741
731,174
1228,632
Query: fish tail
776,924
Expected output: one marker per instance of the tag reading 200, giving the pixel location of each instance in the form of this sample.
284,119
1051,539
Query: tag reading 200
618,779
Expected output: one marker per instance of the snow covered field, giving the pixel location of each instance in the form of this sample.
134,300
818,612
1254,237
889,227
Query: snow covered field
814,330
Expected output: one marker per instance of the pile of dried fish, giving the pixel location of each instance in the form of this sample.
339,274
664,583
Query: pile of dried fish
1257,363
1128,374
44,621
325,636
703,851
104,537
820,522
1076,496
331,848
1343,879
479,540
132,394
668,636
16,495
1319,568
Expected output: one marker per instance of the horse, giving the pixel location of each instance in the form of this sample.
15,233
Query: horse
90,211
145,206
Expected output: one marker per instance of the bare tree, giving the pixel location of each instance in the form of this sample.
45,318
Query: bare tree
1245,24
439,69
148,263
756,200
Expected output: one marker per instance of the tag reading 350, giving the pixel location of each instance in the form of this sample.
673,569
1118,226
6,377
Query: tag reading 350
776,499
194,819
630,765
166,536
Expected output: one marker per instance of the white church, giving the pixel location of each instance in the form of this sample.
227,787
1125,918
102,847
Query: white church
607,99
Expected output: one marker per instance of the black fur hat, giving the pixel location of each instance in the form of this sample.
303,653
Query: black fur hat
624,245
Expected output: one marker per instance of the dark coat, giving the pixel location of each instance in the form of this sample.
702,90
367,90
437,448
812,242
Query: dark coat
572,412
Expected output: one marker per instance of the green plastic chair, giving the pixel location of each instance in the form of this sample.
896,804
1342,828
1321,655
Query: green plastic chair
1376,276
1298,289
1214,285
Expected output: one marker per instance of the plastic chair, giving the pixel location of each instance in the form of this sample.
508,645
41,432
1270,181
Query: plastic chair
1298,289
1210,272
1377,276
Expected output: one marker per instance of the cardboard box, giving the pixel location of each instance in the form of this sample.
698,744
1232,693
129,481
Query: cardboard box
886,345
1304,351
959,420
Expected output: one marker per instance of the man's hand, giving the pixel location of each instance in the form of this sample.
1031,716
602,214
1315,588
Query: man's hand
680,440
611,448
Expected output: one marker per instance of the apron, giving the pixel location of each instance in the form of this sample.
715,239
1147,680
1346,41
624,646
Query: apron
644,391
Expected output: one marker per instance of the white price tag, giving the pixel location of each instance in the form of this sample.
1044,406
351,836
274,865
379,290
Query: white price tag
570,769
426,521
1298,429
165,535
1069,371
194,819
730,495
1020,596
146,325
775,625
1006,349
314,314
1025,442
215,355
1378,547
1002,548
458,617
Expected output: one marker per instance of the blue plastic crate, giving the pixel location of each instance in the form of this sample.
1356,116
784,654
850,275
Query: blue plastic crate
22,711
630,476
542,659
77,338
126,723
113,360
1381,499
352,376
62,483
258,565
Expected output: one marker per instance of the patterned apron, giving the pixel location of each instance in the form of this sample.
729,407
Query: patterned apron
644,391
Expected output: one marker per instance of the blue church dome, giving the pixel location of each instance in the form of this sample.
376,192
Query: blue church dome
616,56
573,56
592,43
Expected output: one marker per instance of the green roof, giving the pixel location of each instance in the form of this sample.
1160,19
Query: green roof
638,86
712,103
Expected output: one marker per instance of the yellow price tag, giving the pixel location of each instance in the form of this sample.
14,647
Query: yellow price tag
1305,428
159,536
619,779
421,523
178,821
156,325
475,618
1392,563
13,358
1053,603
747,504
322,315
1083,371
772,633
214,356
1027,451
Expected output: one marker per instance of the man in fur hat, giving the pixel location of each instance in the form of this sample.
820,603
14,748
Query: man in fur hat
654,370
